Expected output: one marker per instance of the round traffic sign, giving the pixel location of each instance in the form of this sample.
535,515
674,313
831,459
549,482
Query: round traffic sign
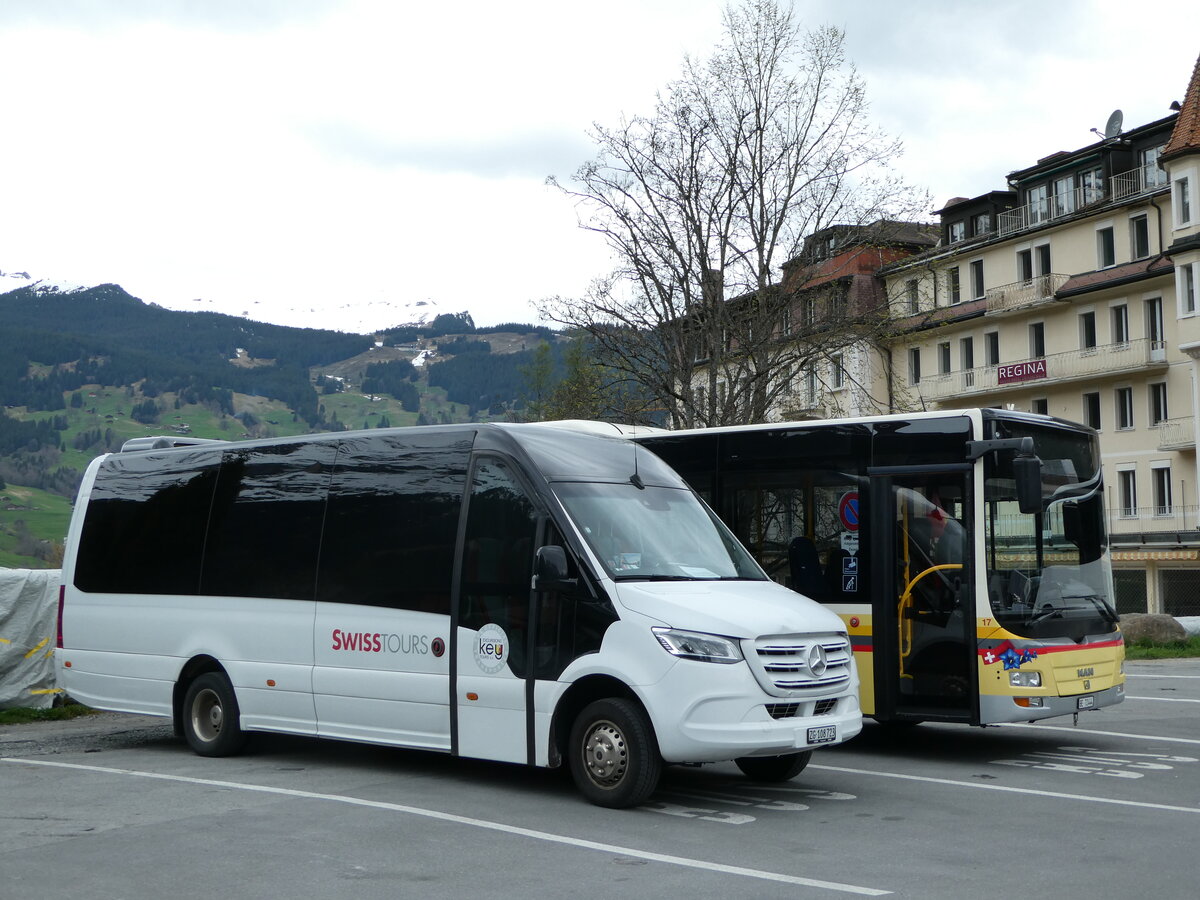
848,510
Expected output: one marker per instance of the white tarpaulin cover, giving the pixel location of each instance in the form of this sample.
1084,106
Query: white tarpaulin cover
28,624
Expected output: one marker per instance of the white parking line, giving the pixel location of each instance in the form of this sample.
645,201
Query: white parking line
1008,790
1119,734
1166,699
475,823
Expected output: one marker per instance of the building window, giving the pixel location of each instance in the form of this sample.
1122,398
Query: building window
810,388
1064,195
1124,398
1154,327
1041,255
966,355
1127,488
1037,340
981,224
1120,324
952,285
991,348
957,231
1187,288
1091,185
1040,405
785,324
1139,236
1091,410
1106,248
977,279
809,312
1087,330
1025,266
914,365
1162,490
1183,201
1158,403
944,358
839,371
1035,199
914,298
1152,175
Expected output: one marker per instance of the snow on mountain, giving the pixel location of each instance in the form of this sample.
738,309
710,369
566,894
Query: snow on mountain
12,281
360,317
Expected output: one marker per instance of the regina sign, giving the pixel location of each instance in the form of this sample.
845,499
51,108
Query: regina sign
1022,371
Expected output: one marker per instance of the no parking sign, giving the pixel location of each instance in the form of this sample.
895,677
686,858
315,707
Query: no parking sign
848,510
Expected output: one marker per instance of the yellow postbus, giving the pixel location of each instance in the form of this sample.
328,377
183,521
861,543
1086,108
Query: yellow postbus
965,550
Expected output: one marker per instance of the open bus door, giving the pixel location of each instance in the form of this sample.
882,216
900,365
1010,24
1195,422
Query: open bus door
923,604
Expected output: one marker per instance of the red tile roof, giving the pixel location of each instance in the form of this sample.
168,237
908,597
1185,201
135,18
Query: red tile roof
1185,137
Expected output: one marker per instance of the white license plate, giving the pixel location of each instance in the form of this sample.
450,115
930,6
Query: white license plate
1085,703
824,734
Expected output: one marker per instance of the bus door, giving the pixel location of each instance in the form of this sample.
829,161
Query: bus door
490,678
924,613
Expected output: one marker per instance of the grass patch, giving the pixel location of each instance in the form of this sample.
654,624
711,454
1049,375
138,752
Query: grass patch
1174,650
24,716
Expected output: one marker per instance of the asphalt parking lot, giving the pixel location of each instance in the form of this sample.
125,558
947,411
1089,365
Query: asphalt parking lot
117,807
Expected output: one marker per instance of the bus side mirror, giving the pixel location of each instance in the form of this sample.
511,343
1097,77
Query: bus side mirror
1027,472
550,570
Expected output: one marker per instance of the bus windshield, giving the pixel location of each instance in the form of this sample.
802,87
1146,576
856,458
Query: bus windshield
655,533
1049,573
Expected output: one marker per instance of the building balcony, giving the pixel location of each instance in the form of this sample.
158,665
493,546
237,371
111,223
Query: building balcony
1074,365
1137,182
1121,188
1177,434
1146,524
1006,298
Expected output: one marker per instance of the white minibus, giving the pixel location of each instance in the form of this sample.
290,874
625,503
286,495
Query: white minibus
522,593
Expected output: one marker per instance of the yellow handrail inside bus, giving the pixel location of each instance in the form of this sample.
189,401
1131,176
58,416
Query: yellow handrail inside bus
905,625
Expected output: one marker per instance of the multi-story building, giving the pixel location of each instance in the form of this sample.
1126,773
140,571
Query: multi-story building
1074,293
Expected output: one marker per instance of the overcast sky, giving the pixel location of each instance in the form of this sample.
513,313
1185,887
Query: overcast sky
266,154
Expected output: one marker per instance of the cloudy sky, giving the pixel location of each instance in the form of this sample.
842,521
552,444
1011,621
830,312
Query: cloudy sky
267,155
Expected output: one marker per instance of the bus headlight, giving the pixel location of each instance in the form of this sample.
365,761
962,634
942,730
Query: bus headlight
1025,679
697,646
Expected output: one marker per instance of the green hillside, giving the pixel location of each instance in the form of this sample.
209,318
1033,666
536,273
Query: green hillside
82,373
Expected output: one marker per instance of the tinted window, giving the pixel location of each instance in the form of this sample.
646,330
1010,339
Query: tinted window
570,622
498,557
265,526
144,528
392,522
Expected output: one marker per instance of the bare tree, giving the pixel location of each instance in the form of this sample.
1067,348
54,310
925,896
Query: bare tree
749,152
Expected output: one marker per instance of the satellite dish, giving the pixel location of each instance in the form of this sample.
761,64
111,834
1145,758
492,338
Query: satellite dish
1113,128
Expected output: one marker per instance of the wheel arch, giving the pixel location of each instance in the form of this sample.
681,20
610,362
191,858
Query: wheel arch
572,703
192,669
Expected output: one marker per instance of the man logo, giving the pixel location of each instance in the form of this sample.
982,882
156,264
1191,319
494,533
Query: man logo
816,660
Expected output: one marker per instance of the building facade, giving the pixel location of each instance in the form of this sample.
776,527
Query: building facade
1074,294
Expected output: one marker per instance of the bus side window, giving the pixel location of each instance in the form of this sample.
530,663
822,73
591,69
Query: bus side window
497,563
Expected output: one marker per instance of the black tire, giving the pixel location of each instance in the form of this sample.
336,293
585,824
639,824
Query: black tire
774,768
211,717
613,754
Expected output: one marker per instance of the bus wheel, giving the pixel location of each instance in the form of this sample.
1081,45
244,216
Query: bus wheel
210,717
613,754
774,768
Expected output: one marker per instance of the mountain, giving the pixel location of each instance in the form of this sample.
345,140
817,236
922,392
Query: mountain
360,315
83,369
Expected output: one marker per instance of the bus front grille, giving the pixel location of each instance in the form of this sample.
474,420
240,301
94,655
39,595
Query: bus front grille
824,707
801,664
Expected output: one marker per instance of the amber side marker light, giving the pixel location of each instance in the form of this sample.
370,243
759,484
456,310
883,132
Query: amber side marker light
270,682
472,696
